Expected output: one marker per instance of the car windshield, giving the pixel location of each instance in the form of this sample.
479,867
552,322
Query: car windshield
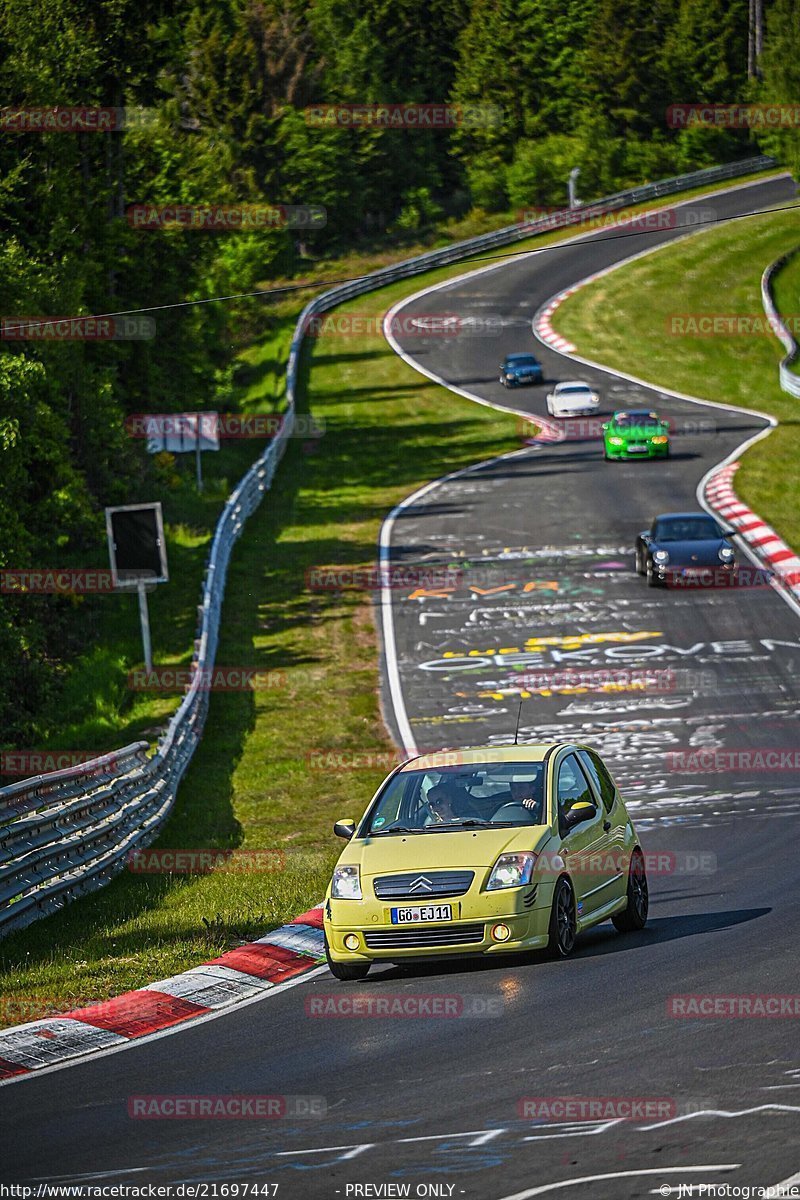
464,797
637,418
576,388
522,360
686,529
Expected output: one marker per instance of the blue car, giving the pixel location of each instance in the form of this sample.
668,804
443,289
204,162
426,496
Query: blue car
518,369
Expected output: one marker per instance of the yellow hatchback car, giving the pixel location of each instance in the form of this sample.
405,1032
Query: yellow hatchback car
484,851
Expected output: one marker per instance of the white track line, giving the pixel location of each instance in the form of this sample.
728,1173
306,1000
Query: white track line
663,1171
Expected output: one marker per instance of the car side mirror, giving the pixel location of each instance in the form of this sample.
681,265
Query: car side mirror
729,533
580,812
344,829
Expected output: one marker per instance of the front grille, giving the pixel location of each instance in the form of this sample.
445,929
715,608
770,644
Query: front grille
423,885
419,938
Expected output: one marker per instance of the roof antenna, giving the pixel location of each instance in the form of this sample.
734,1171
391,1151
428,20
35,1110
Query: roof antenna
519,714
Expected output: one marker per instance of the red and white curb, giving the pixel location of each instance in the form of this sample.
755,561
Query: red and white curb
543,326
549,431
763,541
232,978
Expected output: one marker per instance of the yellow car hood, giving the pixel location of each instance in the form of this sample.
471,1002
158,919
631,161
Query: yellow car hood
442,851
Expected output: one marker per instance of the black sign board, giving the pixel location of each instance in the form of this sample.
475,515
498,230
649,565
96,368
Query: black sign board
136,544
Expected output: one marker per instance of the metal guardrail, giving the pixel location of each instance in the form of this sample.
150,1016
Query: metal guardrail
789,381
68,832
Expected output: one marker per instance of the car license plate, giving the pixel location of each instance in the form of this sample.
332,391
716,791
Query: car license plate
422,912
634,449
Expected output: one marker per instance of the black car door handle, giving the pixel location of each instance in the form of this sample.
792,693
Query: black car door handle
606,825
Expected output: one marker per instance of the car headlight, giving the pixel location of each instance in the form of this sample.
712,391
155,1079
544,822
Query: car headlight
660,556
659,440
727,553
616,441
509,377
511,870
346,883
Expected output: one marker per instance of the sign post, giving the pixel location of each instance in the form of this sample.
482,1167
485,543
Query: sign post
572,185
144,618
180,433
138,555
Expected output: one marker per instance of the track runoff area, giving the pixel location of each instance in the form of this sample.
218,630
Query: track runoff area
611,1074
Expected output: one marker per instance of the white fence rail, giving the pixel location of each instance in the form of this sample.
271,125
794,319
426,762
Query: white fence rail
68,832
790,382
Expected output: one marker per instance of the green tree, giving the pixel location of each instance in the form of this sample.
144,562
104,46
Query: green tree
781,79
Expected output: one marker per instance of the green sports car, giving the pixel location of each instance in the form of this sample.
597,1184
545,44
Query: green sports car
635,433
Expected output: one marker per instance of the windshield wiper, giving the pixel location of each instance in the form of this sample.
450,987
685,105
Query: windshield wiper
394,829
470,823
488,824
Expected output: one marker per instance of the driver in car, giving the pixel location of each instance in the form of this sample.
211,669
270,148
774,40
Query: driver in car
528,793
448,803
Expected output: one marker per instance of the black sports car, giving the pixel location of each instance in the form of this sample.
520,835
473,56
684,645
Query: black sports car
683,547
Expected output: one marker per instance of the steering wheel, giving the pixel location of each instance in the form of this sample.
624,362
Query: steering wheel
510,809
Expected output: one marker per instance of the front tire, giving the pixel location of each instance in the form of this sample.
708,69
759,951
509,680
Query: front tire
347,972
634,915
652,578
639,563
563,928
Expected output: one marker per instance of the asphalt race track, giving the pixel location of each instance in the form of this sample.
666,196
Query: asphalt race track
542,541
